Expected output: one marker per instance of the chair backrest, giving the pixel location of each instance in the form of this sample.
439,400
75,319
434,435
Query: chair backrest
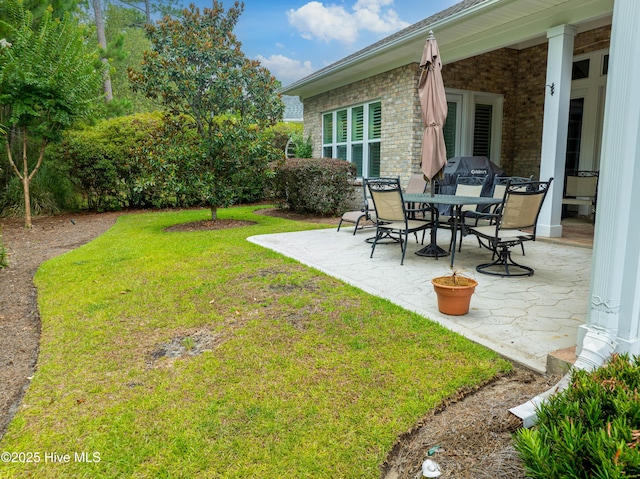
584,184
500,183
469,186
417,184
387,198
522,204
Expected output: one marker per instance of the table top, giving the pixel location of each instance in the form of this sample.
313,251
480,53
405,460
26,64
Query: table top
450,199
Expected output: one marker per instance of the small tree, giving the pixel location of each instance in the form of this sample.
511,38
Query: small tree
48,79
196,68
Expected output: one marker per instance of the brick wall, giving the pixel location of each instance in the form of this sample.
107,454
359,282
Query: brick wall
401,133
518,75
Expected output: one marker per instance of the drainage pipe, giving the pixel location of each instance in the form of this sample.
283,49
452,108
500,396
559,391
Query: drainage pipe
597,346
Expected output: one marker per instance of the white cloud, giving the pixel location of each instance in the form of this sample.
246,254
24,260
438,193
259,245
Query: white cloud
315,20
285,69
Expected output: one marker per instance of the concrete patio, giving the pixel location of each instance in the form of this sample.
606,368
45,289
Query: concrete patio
524,319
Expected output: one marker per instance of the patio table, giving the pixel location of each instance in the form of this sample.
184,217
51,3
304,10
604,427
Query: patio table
432,249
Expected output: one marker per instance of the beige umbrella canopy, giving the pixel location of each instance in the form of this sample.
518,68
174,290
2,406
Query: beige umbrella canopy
433,103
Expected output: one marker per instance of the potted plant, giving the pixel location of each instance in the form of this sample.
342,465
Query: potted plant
454,293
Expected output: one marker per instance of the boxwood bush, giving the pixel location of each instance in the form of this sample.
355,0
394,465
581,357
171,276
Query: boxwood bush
589,430
313,185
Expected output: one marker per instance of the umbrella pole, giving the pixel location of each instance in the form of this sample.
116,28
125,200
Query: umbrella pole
432,250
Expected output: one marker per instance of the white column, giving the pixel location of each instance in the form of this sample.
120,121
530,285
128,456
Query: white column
555,125
615,277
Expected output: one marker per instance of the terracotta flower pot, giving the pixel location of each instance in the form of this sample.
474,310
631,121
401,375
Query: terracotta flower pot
454,299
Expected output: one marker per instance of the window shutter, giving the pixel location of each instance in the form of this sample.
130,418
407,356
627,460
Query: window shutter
341,123
374,160
357,123
482,130
449,128
356,158
327,128
375,120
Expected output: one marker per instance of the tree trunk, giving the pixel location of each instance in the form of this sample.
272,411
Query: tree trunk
147,10
25,183
27,203
102,41
214,213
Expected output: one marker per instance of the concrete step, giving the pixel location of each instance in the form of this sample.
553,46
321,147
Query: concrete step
559,362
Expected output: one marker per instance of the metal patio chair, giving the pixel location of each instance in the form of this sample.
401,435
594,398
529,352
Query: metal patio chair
514,223
417,184
499,186
465,186
363,215
393,218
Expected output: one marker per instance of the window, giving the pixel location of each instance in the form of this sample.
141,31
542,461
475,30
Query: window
353,134
474,124
580,69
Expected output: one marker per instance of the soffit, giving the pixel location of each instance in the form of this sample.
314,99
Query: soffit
479,28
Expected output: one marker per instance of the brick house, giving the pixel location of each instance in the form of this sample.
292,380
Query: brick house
529,85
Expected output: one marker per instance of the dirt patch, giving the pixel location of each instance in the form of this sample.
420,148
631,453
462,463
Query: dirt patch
186,344
210,225
472,432
290,215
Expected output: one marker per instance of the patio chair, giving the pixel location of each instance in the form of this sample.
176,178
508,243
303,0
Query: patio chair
518,212
363,215
499,186
417,184
465,186
581,189
392,216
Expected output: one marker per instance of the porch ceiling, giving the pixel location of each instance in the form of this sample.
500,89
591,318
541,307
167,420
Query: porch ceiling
480,28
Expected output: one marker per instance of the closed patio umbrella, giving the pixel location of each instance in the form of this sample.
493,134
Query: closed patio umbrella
433,103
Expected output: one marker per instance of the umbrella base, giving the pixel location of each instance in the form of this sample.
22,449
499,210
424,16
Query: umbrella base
432,250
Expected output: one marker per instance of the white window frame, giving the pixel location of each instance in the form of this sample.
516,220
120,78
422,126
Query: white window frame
466,101
592,89
365,142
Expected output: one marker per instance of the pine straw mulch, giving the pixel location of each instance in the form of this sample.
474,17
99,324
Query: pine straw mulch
470,434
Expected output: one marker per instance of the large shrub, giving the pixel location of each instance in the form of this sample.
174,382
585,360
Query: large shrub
154,160
101,161
320,186
589,430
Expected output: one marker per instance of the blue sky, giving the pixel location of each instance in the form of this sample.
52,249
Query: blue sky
294,38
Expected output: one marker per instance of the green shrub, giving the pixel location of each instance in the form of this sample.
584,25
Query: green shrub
303,147
589,430
101,162
282,132
320,186
148,160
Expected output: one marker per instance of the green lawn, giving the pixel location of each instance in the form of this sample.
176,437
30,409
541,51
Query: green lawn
304,376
